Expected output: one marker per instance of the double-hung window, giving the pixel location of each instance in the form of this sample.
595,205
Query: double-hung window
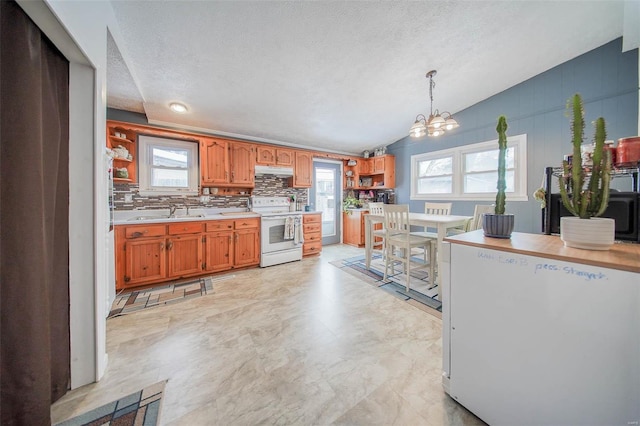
470,172
167,166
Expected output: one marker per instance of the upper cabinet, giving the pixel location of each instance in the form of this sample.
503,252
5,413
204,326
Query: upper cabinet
272,156
303,169
371,173
214,161
227,163
122,140
243,163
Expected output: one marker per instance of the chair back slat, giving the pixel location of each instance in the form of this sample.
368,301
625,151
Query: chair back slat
396,218
437,208
376,209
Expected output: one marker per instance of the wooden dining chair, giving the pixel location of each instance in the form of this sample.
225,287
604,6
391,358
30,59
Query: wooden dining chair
399,242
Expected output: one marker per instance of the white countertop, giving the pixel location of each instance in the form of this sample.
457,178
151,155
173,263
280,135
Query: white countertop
141,217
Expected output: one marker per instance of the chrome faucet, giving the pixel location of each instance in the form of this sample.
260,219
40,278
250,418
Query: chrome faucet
172,210
187,206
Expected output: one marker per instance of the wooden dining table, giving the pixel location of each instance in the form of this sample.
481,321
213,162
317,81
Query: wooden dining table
443,223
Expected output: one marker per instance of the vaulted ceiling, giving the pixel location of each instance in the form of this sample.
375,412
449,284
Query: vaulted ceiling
340,76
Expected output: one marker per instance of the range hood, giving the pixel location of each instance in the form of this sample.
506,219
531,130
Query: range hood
273,170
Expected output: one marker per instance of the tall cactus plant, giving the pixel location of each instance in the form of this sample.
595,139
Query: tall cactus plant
502,154
582,199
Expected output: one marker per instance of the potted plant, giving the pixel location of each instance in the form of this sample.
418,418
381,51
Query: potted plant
584,192
500,225
349,203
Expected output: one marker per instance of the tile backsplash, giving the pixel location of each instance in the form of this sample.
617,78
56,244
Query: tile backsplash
265,185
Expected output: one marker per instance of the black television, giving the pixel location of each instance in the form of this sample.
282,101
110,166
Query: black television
623,207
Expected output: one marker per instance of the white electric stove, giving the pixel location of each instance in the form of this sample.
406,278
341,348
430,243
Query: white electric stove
277,245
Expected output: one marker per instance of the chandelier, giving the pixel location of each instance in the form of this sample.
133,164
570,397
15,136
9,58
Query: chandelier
437,124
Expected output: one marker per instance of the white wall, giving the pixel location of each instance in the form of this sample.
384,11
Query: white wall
79,30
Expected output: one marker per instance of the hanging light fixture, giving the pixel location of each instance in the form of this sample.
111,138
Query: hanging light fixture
437,124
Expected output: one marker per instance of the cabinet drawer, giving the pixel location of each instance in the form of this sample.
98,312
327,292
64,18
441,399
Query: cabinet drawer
311,227
312,237
144,231
312,218
219,225
247,223
185,228
311,248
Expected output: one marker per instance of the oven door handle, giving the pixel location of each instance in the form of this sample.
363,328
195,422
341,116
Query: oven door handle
273,218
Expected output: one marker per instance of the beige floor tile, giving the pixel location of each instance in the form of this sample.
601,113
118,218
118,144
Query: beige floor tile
300,343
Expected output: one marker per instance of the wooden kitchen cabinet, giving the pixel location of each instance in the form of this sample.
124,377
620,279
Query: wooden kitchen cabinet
218,253
353,223
273,156
364,166
381,173
378,164
214,162
144,261
184,249
147,254
312,233
303,170
242,164
225,163
247,242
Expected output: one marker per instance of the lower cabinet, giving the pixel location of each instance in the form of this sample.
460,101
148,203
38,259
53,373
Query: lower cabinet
353,223
147,254
312,232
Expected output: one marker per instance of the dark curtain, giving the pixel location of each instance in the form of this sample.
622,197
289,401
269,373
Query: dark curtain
34,230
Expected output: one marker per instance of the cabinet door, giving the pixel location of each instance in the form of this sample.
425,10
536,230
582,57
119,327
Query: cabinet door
378,165
364,166
303,170
214,161
247,247
265,155
145,261
284,157
352,231
243,164
218,251
185,255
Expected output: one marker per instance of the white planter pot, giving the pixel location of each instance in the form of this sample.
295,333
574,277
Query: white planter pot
597,233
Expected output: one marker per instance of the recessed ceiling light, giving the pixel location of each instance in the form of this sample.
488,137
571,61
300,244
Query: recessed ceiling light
177,107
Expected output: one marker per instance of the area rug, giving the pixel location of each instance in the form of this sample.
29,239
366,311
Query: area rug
132,301
422,293
141,408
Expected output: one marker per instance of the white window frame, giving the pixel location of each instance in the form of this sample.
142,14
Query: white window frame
518,142
145,145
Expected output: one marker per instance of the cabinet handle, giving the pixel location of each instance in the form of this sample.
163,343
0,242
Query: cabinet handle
127,279
170,245
161,246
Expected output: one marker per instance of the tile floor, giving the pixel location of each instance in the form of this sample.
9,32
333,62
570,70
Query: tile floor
300,343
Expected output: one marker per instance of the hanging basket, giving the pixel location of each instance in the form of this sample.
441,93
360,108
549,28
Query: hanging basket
597,233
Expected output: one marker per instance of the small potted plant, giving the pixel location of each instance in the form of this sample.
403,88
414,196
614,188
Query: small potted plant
584,192
499,224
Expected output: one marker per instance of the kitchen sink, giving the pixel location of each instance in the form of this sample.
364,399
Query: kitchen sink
181,216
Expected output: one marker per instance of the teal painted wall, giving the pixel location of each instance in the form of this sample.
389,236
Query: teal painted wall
606,78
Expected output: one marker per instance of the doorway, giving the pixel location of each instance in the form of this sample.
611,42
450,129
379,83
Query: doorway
325,196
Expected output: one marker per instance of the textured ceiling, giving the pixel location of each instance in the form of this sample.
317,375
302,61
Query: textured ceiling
342,76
